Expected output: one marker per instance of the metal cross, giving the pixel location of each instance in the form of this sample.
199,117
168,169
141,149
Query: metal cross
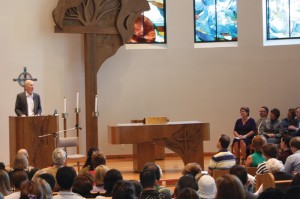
23,77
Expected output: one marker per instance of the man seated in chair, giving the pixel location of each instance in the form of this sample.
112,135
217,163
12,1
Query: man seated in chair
224,159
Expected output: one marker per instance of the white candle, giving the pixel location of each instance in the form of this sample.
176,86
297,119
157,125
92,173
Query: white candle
77,99
96,104
65,104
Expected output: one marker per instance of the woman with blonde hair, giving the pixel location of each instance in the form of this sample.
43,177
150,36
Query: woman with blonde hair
4,183
254,159
100,172
229,186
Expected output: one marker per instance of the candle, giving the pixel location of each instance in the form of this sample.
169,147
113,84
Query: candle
77,99
96,104
65,104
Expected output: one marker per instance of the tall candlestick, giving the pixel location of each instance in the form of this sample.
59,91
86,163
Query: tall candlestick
65,104
77,99
96,104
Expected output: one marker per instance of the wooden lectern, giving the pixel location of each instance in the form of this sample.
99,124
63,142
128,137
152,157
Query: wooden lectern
24,133
184,138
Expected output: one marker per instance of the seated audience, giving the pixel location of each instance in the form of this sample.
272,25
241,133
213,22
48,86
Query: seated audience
137,187
206,186
244,130
241,173
16,179
273,131
98,158
288,121
269,151
83,184
186,181
229,186
294,128
123,189
88,165
25,153
100,172
158,173
262,121
110,179
292,163
256,158
276,168
148,181
65,178
5,188
20,162
271,193
188,193
293,193
30,190
192,168
49,179
224,159
285,148
45,188
59,156
2,166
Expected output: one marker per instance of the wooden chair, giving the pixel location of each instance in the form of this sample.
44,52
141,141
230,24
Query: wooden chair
66,142
268,181
251,170
219,173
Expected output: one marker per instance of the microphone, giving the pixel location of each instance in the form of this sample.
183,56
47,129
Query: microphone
78,127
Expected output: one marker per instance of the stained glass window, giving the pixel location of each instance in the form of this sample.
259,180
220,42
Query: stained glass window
283,19
215,20
150,27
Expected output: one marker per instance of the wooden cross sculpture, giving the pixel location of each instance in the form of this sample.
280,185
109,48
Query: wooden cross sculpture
106,25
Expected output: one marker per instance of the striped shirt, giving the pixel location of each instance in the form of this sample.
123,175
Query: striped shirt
222,160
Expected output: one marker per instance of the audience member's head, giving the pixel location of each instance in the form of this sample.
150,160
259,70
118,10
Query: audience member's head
224,142
123,189
88,161
110,178
296,180
2,166
291,114
274,114
148,178
100,172
59,156
192,169
206,186
49,178
154,167
295,144
263,112
83,184
137,187
17,178
285,142
229,186
4,183
30,190
98,158
45,188
257,143
20,162
271,193
240,172
23,152
164,195
246,109
32,172
184,182
269,151
274,165
293,193
65,177
187,193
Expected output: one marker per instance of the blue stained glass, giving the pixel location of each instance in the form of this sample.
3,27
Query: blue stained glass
215,20
283,19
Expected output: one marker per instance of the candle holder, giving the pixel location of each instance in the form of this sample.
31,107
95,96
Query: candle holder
95,114
64,115
77,110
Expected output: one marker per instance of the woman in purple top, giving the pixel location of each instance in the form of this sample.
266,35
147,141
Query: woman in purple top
244,131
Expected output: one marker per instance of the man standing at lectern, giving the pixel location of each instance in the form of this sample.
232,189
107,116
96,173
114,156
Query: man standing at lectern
28,103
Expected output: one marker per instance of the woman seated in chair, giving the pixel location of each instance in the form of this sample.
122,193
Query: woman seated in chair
254,159
244,130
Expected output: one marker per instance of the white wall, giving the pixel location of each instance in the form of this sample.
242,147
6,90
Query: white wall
180,82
